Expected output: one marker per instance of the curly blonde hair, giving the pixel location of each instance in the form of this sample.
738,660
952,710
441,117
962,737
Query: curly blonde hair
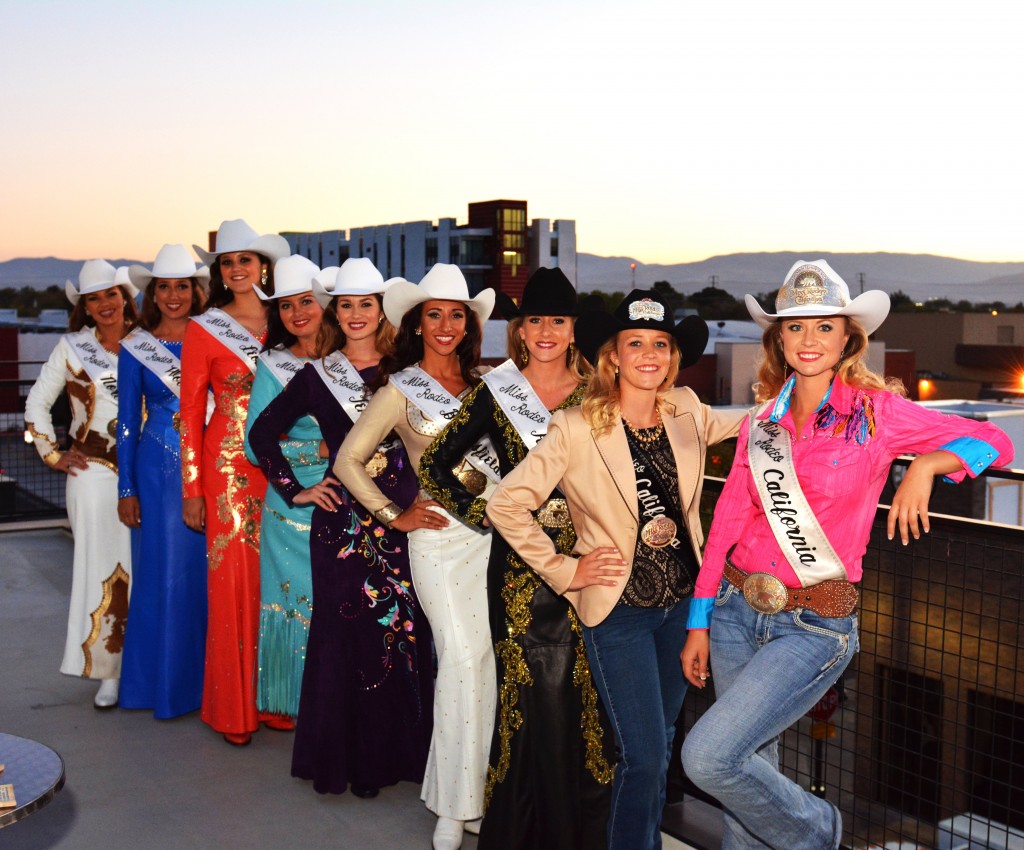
601,400
579,368
773,370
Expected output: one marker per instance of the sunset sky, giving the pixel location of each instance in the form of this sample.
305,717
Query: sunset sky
670,131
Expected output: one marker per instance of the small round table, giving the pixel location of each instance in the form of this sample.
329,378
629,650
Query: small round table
35,771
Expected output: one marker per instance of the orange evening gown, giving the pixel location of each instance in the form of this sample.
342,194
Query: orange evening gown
214,466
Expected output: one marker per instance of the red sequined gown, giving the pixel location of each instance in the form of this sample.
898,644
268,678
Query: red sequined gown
214,466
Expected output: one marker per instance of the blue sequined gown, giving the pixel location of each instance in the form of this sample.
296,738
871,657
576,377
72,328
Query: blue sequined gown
286,588
165,638
365,716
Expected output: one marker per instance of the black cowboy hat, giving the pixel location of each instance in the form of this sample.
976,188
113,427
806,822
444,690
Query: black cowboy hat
647,310
548,292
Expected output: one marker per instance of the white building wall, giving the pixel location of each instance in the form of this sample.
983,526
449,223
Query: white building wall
331,242
566,229
416,250
444,234
540,244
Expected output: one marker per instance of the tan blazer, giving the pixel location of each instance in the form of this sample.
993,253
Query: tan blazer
596,475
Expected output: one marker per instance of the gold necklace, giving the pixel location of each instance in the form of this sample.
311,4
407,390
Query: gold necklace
646,436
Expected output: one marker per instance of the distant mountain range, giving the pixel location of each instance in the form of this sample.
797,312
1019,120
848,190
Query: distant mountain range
921,276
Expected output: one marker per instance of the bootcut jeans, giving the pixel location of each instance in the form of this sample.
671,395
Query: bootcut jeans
634,657
768,671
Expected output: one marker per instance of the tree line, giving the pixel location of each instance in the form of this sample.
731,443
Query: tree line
29,301
714,303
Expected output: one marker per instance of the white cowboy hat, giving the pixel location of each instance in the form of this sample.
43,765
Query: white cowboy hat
173,262
95,276
813,289
444,282
293,276
236,235
356,276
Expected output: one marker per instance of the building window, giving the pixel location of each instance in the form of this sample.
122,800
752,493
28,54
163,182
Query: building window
511,220
908,738
997,755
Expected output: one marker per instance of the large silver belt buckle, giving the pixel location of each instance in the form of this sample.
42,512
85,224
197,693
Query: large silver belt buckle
765,593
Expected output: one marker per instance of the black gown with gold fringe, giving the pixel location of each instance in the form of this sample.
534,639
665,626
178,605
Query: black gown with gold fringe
551,763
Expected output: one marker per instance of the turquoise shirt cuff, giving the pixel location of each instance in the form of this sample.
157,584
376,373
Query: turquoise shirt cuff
700,613
977,455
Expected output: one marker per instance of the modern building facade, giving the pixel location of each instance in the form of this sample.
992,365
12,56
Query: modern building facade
496,247
961,355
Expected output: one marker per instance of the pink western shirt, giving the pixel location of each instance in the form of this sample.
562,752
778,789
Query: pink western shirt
842,480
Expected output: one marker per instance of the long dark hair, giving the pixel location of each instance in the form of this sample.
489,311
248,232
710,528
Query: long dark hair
278,336
149,315
220,295
79,318
409,348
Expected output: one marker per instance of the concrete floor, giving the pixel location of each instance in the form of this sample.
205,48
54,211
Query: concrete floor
135,782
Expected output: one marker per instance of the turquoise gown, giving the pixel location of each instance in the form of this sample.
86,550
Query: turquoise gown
286,589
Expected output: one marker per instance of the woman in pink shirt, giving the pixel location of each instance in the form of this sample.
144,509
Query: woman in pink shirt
775,599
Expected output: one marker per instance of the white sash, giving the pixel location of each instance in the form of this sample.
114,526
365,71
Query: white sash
344,382
156,357
519,402
231,334
282,364
796,528
96,361
436,403
162,362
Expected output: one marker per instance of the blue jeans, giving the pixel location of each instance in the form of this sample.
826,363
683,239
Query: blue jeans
769,670
634,656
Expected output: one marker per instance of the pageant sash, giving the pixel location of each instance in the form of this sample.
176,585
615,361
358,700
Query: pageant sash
519,402
344,382
796,528
655,504
156,357
231,335
349,390
96,360
162,362
436,403
282,364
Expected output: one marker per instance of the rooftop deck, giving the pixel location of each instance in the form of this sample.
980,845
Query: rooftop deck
135,782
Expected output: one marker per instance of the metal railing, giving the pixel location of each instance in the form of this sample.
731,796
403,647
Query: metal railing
29,490
924,747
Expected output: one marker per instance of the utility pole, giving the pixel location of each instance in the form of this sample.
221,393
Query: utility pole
714,280
860,277
632,268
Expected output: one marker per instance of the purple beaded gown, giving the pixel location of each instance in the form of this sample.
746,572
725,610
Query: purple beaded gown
366,709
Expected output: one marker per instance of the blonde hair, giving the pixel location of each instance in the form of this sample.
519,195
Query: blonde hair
852,368
515,346
601,400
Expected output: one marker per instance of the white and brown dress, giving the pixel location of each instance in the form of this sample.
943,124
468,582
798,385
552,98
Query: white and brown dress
102,557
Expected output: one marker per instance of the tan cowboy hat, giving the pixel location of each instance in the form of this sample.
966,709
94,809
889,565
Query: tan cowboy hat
173,262
95,276
235,235
444,282
813,289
